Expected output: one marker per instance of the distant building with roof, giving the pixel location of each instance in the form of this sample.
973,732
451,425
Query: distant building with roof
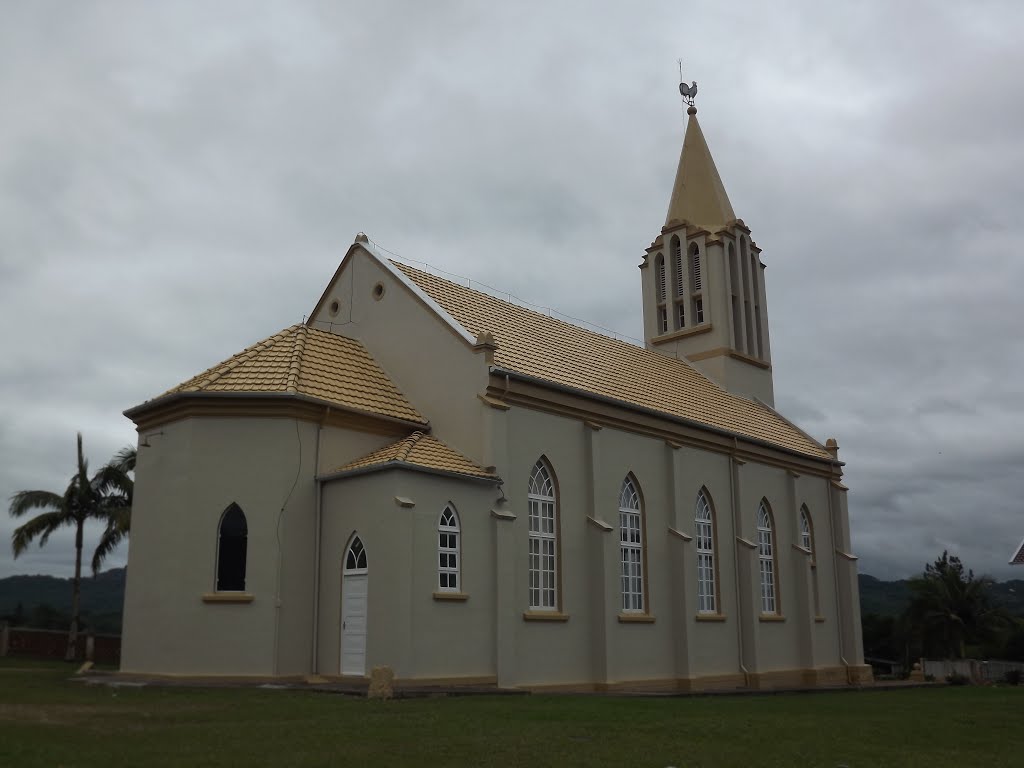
427,477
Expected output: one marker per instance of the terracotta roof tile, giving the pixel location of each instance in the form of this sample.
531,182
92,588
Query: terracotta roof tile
421,450
536,345
305,361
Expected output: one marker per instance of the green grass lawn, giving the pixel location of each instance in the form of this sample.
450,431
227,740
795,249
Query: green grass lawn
47,720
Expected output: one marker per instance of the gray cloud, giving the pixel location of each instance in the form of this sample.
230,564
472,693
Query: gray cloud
178,181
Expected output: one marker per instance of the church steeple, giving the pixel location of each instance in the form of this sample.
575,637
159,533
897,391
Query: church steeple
703,280
698,194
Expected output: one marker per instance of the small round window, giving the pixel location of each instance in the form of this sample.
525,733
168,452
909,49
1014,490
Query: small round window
378,291
335,306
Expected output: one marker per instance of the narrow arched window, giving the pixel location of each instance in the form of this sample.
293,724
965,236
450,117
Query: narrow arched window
631,546
736,299
232,543
679,278
448,555
807,542
697,296
704,528
543,547
766,559
748,300
660,291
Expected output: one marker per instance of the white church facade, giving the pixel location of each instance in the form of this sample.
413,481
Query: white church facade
426,477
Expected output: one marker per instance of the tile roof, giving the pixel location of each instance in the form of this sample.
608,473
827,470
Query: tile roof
1018,558
302,360
419,450
546,348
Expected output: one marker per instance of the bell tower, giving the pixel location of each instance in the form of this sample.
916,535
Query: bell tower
703,280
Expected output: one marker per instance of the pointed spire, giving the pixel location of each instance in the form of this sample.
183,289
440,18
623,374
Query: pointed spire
698,195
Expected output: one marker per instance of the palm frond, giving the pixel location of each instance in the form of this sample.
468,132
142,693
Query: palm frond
23,501
112,536
40,525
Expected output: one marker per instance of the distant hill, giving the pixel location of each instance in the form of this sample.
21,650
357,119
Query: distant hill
46,600
890,598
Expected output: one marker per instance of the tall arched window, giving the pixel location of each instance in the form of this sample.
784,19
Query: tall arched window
697,296
448,555
766,559
679,278
543,514
659,294
232,543
757,348
704,528
631,546
807,542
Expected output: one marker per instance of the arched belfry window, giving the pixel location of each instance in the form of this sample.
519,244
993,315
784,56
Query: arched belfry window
448,555
697,296
766,559
704,528
631,546
355,557
750,346
232,543
679,280
736,299
660,293
543,548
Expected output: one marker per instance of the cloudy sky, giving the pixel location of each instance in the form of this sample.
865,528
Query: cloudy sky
179,180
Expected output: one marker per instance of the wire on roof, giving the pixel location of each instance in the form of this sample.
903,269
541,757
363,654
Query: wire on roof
513,299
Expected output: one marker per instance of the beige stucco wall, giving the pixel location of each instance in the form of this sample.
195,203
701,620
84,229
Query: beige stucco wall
433,366
407,629
190,473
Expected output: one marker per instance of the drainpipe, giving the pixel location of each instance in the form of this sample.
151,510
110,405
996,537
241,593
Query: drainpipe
318,514
835,579
735,484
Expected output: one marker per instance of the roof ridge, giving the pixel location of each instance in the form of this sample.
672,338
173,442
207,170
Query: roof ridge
295,368
246,354
408,443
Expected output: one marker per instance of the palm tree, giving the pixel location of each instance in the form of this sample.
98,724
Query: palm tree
951,607
96,497
119,513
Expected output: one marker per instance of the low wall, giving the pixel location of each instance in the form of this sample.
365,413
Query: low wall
53,644
974,670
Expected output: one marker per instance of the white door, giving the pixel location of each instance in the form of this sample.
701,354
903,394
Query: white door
353,610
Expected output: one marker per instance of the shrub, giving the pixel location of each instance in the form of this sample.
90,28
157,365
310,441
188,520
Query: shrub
1013,677
958,679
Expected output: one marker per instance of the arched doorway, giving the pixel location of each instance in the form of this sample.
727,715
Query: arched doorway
353,609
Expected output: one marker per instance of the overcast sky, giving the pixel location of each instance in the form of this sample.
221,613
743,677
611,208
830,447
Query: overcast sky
179,180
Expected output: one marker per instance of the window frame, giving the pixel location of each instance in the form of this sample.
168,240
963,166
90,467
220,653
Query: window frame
711,553
807,542
542,540
767,556
632,549
449,545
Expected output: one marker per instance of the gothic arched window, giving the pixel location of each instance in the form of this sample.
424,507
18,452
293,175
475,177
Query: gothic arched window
766,559
448,554
543,547
631,546
232,543
704,528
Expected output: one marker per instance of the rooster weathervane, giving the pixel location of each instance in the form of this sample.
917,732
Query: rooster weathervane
688,92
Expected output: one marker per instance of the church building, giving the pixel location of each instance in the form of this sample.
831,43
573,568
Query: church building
426,477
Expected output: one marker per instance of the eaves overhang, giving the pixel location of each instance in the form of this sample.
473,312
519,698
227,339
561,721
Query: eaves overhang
176,399
391,465
681,420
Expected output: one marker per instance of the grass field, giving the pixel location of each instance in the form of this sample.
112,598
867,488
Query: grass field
48,720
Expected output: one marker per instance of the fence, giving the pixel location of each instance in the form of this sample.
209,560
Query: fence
976,671
53,644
